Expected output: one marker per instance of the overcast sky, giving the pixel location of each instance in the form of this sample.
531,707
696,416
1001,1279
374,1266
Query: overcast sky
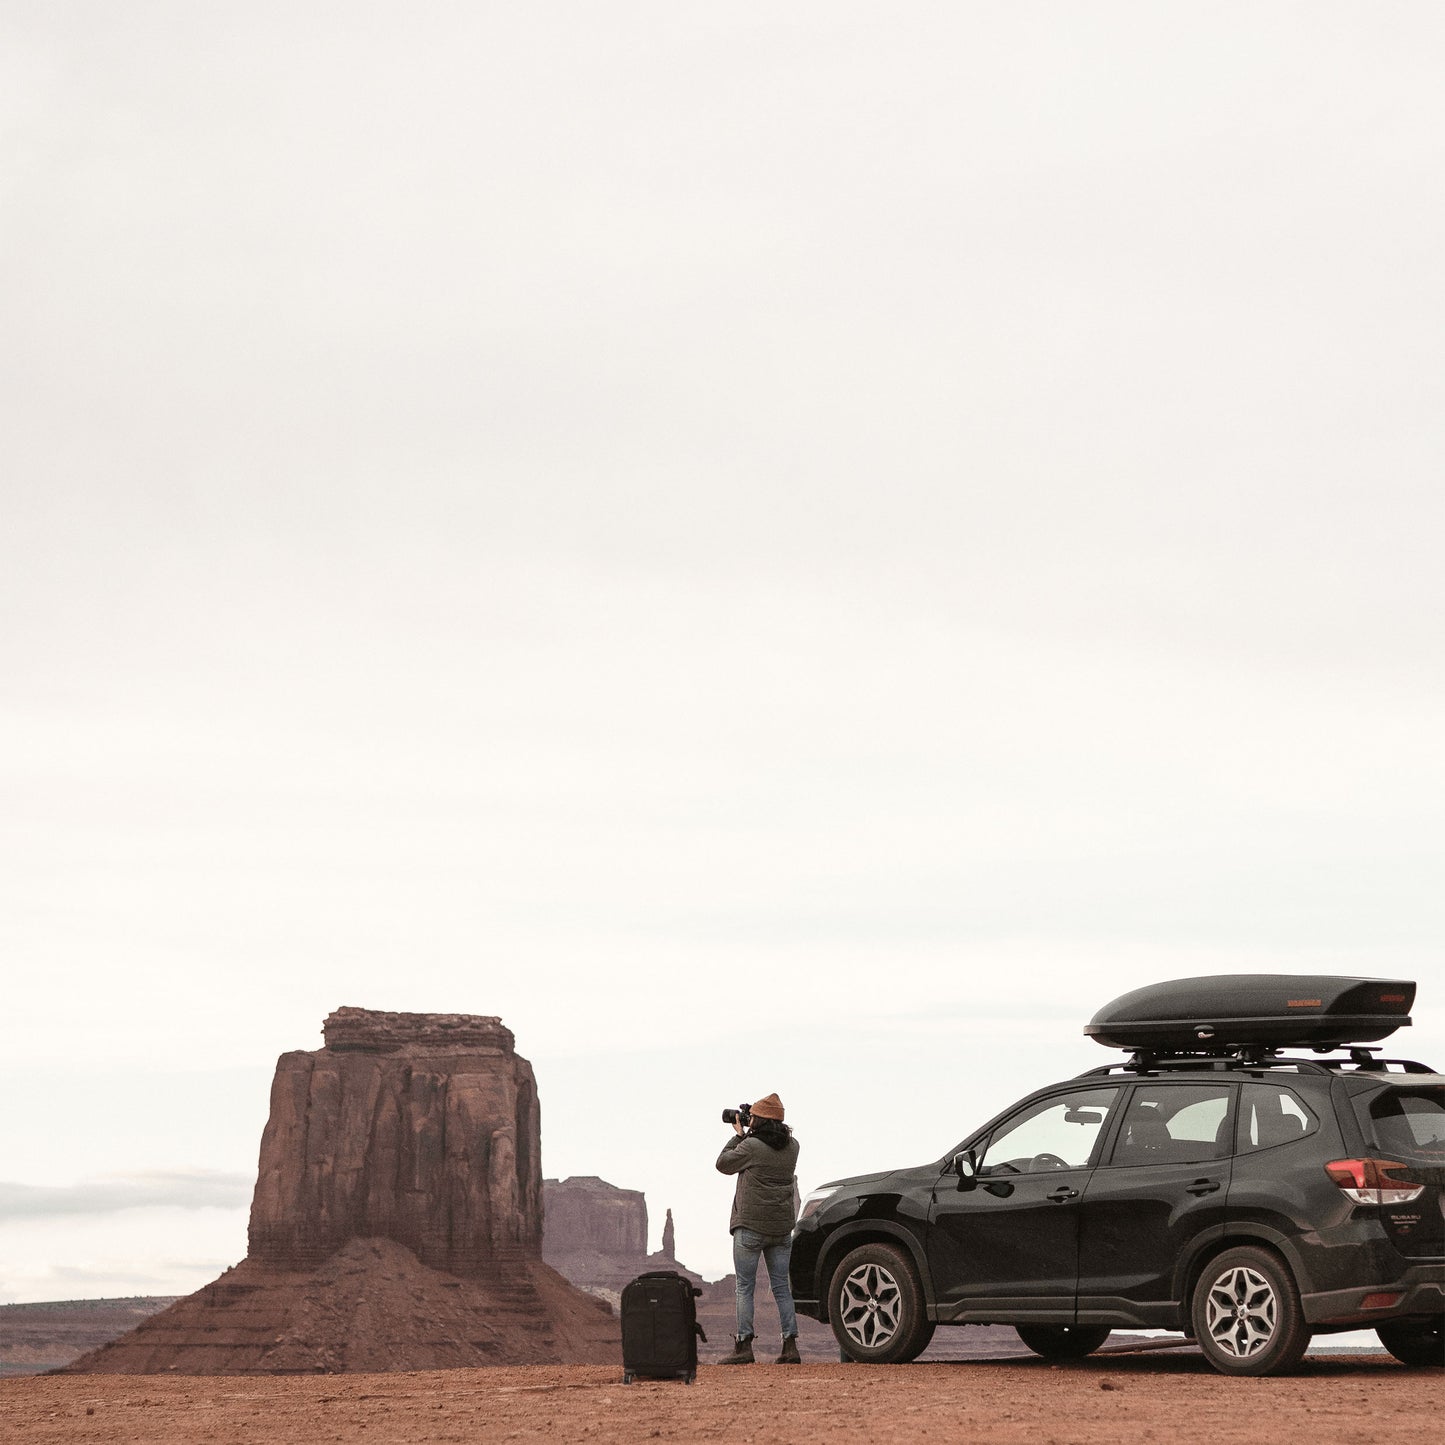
794,548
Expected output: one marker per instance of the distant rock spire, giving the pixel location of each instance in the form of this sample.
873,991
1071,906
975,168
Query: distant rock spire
669,1239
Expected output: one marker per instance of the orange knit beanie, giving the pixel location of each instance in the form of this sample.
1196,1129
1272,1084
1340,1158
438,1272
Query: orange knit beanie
769,1107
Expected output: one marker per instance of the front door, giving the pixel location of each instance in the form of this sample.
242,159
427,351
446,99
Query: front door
1008,1248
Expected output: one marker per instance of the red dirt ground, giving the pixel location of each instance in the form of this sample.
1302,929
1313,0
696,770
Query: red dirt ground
1138,1398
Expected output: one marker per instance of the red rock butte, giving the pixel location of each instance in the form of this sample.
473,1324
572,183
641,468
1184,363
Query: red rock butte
396,1223
422,1128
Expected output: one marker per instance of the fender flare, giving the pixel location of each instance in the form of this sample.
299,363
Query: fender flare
870,1231
1229,1236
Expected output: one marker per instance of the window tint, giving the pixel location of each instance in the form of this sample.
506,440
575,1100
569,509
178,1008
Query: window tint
1057,1133
1270,1115
1175,1124
1408,1122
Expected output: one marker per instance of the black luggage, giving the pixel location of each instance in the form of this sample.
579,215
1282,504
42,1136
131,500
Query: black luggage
1270,1010
659,1328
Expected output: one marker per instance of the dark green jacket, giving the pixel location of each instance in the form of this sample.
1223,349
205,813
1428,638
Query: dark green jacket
766,1195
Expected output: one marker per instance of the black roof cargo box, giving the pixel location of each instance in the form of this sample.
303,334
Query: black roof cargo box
1254,1010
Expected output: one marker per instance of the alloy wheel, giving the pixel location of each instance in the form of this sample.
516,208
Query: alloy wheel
1242,1312
871,1305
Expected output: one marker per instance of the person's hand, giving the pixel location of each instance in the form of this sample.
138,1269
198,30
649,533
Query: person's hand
738,1127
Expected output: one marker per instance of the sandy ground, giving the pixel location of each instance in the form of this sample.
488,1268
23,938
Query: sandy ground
1159,1397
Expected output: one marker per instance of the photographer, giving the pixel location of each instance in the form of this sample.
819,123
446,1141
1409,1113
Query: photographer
764,1156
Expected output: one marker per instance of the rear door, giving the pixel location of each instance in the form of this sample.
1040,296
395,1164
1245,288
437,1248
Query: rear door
1162,1187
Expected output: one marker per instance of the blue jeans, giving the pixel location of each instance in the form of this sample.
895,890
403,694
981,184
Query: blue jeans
748,1246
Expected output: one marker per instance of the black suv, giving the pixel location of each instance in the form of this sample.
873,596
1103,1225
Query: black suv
1244,1197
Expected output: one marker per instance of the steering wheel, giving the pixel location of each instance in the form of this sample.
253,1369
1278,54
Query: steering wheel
1050,1161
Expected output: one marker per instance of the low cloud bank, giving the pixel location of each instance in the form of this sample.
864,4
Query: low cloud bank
111,1193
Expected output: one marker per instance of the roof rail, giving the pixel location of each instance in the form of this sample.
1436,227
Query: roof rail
1377,1066
1360,1060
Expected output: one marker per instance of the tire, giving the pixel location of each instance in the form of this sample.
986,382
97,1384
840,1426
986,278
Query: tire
1063,1342
1415,1342
875,1304
1246,1314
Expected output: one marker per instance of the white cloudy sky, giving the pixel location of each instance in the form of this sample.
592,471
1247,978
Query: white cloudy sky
775,547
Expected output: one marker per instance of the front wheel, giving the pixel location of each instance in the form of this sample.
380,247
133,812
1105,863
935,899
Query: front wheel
1063,1342
1415,1342
1247,1316
875,1304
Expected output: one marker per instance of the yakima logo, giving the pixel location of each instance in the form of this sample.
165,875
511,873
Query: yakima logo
1304,1003
1392,998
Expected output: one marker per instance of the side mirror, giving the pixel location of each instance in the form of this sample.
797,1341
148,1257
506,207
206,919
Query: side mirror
965,1165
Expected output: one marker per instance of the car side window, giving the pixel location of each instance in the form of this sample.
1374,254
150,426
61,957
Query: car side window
1270,1115
1175,1124
1056,1133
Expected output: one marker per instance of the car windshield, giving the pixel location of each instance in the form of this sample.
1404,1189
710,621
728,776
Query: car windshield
1407,1122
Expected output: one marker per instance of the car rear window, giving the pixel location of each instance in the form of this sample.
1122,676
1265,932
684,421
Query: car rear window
1408,1122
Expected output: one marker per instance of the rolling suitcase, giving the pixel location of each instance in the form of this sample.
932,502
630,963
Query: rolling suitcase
659,1328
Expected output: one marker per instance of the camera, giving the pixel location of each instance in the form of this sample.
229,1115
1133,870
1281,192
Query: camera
743,1115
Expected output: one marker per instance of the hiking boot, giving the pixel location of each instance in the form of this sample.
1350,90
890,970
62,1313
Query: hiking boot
790,1355
742,1352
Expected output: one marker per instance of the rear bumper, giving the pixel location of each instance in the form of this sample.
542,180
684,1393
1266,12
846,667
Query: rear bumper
1420,1287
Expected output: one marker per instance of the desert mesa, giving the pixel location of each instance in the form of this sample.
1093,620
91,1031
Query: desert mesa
396,1223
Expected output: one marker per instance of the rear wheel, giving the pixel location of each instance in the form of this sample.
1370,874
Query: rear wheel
1063,1342
1247,1316
1415,1342
875,1303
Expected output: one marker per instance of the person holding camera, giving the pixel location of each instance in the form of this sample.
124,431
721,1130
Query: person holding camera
764,1156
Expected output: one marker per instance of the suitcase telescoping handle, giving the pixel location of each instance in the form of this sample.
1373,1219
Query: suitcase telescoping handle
668,1274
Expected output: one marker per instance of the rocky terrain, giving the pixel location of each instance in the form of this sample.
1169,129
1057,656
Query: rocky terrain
1108,1398
371,1306
39,1337
396,1223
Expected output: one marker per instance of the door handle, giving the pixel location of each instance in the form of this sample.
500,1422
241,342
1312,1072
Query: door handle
1062,1193
1202,1186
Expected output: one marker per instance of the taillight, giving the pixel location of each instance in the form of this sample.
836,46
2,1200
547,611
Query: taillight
1366,1182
